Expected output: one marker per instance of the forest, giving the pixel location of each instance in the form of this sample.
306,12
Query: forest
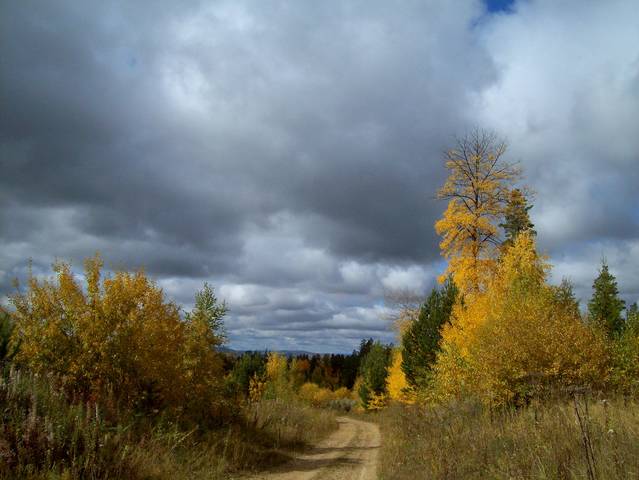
496,373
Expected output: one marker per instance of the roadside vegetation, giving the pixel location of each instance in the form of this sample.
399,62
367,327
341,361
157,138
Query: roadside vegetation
111,380
594,438
498,373
502,374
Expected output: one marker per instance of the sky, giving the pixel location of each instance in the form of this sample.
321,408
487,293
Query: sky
289,153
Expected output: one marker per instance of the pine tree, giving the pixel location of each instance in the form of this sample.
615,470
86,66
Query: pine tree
516,218
421,340
605,306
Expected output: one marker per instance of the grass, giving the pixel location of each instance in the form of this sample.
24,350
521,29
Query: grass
570,439
43,435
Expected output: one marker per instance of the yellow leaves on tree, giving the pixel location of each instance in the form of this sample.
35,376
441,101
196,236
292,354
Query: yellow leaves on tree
121,337
396,385
277,385
516,338
478,190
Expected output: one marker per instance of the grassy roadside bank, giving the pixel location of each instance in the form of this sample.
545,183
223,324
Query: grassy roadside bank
594,439
43,435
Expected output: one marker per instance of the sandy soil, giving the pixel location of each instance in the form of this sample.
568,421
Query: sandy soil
348,454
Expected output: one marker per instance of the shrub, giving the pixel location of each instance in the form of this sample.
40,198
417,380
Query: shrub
121,339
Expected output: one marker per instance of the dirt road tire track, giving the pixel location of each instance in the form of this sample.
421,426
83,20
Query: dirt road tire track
348,454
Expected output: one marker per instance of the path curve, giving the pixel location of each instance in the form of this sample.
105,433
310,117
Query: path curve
348,454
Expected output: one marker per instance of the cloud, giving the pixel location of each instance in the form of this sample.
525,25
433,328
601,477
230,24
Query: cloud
289,153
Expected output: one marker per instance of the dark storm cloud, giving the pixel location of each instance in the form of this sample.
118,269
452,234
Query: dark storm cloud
289,152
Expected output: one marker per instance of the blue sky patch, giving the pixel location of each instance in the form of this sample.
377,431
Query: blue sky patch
499,5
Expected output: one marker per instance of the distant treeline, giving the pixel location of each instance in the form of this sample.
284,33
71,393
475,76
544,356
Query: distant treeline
331,371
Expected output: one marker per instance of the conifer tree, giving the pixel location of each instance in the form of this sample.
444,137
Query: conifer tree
605,306
421,339
516,217
373,370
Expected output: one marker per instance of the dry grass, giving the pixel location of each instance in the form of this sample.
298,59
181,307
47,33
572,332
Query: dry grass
42,435
465,441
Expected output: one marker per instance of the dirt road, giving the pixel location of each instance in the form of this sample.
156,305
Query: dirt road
348,454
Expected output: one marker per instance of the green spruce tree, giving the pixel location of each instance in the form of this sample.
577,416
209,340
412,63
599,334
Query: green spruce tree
373,370
605,306
516,217
421,339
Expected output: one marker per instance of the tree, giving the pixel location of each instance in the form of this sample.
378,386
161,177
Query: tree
202,364
516,339
605,306
565,296
277,385
396,384
209,312
249,365
373,370
421,340
478,190
516,218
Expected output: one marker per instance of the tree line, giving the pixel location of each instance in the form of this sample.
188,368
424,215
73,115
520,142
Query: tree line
496,329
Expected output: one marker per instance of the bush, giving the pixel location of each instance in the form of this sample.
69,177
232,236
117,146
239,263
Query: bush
122,339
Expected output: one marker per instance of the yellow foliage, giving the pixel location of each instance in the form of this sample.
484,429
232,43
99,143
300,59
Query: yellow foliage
478,190
320,397
377,402
276,366
314,394
396,384
257,386
277,385
515,339
341,393
470,261
120,336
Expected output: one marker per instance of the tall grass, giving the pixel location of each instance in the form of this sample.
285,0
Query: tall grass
570,439
42,431
292,424
44,435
